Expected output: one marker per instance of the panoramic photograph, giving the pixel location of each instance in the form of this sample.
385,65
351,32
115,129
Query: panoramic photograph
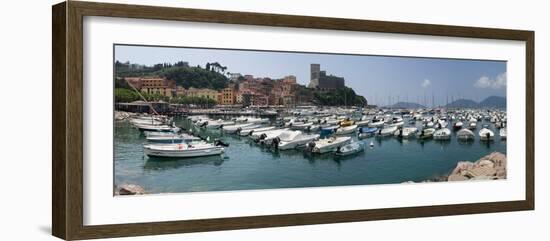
190,119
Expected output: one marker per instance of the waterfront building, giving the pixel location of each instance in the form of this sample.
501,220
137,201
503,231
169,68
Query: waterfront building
228,96
157,85
321,81
204,93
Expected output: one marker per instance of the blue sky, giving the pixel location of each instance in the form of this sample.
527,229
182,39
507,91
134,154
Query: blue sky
381,79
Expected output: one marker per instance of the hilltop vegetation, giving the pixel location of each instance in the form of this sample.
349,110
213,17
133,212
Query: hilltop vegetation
212,76
339,97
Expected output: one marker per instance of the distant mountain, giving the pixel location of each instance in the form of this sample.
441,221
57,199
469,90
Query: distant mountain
407,105
462,103
489,102
493,102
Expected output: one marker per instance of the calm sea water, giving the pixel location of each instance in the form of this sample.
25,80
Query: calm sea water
246,165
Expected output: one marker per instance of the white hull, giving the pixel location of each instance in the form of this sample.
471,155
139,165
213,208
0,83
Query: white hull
330,145
174,151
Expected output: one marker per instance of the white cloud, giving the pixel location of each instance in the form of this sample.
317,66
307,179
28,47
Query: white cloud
486,82
426,82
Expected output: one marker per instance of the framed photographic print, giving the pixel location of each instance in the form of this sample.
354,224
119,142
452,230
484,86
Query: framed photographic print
171,120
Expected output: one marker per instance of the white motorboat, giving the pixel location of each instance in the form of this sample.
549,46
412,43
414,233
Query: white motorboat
346,130
472,125
328,144
502,133
425,133
376,123
350,149
254,128
182,150
458,125
257,120
486,134
163,128
406,132
430,124
235,128
361,123
292,139
396,121
441,124
442,134
300,125
264,136
171,138
465,135
218,124
387,131
256,135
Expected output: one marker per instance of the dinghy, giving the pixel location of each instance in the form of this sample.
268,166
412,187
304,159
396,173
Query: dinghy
486,134
406,132
292,139
442,134
366,132
350,149
425,133
472,125
465,135
254,128
388,131
235,128
346,130
182,150
328,144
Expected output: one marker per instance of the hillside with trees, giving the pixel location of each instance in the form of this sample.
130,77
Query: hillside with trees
339,97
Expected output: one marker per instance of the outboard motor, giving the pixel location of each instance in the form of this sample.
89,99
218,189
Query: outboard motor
263,136
239,130
487,135
275,143
339,149
310,146
400,132
204,124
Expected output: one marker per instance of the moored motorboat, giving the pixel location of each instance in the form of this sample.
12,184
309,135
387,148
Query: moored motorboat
365,132
486,134
465,135
346,130
235,128
172,138
472,125
163,128
292,139
406,132
442,134
328,144
350,149
458,125
182,150
425,133
387,131
246,131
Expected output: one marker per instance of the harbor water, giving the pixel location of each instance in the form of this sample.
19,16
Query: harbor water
246,165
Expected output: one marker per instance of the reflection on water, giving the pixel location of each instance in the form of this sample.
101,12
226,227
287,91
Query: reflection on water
247,165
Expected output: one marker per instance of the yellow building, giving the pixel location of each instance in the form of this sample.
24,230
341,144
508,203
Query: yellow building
205,93
228,95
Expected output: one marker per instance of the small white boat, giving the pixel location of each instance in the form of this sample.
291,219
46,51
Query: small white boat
425,133
458,125
472,125
486,134
406,132
397,122
163,128
300,125
254,128
182,150
235,128
172,138
361,123
267,137
257,135
292,139
328,144
430,124
349,149
465,135
502,133
257,120
388,131
346,130
442,134
218,124
376,123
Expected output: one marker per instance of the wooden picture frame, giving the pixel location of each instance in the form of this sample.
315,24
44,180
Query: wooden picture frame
67,123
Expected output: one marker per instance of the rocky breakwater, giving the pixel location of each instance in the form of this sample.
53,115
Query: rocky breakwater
129,189
490,167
